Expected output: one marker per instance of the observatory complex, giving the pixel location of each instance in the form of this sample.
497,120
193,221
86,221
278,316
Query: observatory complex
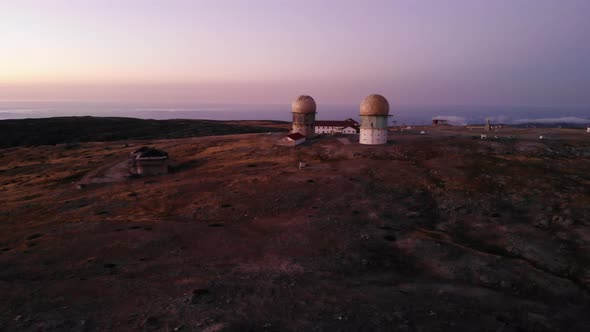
374,112
304,110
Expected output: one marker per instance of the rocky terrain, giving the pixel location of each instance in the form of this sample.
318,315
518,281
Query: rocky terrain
434,232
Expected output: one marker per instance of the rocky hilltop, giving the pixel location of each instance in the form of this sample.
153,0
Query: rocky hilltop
442,231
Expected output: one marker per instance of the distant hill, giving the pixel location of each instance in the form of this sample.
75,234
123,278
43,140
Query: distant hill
50,131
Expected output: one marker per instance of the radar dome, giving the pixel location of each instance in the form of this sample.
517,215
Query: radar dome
374,105
303,104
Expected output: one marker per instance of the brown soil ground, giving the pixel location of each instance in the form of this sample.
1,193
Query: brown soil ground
429,232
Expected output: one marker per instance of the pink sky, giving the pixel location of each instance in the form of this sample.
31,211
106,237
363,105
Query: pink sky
499,52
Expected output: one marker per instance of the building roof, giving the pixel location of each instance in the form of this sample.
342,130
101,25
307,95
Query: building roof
147,152
303,104
332,123
375,105
296,136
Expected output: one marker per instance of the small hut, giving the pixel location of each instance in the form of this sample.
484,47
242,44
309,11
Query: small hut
296,138
439,122
148,161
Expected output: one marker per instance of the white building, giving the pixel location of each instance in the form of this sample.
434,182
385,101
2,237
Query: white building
374,112
348,126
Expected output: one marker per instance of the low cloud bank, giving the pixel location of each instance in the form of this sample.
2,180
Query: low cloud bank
565,119
503,119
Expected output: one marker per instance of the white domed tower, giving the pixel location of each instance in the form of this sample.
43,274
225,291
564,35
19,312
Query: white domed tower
374,112
304,110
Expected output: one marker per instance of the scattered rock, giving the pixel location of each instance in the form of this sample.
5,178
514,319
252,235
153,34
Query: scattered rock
390,238
513,250
506,284
542,222
486,280
151,323
557,219
565,222
200,295
215,327
34,236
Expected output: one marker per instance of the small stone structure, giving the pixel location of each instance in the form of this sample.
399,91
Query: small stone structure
296,138
293,139
148,161
438,122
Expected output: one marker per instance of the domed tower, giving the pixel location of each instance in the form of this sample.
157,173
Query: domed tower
304,110
374,112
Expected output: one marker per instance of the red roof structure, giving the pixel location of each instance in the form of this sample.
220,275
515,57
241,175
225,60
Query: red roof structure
330,123
296,136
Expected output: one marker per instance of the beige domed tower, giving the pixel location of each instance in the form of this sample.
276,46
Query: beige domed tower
304,110
374,113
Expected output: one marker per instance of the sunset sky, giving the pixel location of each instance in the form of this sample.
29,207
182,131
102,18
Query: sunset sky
500,52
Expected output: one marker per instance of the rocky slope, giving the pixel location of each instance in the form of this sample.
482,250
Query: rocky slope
430,232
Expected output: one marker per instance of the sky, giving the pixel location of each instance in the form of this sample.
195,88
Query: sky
417,52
